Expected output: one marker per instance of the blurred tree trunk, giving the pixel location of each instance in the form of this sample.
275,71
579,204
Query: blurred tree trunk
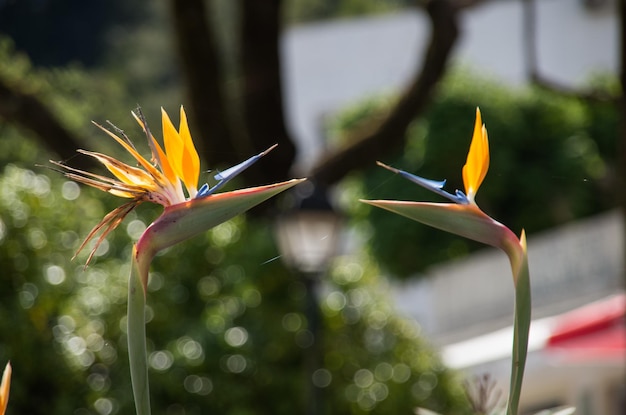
390,135
260,102
201,69
262,96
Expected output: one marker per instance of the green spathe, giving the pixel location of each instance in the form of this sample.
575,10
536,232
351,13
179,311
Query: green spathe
467,221
184,220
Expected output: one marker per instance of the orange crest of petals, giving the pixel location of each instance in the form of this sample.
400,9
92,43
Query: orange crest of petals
477,163
180,150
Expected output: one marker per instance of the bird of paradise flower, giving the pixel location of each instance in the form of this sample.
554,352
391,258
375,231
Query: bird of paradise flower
463,217
170,178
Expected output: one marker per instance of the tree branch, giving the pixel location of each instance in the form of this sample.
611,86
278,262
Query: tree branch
28,112
261,98
390,135
532,68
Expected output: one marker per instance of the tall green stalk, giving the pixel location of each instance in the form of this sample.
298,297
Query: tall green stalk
521,329
137,353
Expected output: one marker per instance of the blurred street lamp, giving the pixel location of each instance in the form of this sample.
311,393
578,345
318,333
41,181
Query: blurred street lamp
307,235
308,232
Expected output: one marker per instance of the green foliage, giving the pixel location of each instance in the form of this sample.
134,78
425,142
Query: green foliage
41,287
78,97
70,93
552,161
372,353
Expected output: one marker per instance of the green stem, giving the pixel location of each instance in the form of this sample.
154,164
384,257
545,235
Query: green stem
137,353
521,330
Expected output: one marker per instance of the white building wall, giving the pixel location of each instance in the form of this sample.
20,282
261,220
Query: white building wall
332,64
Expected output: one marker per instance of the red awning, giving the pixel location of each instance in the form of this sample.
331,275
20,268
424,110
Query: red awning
594,332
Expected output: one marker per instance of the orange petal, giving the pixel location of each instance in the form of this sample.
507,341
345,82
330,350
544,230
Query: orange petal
108,223
477,163
125,173
142,161
173,145
116,189
191,160
166,167
160,156
104,183
5,386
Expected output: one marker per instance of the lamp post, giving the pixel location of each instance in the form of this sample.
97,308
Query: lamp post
307,235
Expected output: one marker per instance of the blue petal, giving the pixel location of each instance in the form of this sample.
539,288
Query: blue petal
204,191
462,198
432,185
226,175
235,170
427,183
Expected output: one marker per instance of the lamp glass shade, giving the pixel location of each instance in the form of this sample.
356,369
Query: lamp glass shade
307,239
